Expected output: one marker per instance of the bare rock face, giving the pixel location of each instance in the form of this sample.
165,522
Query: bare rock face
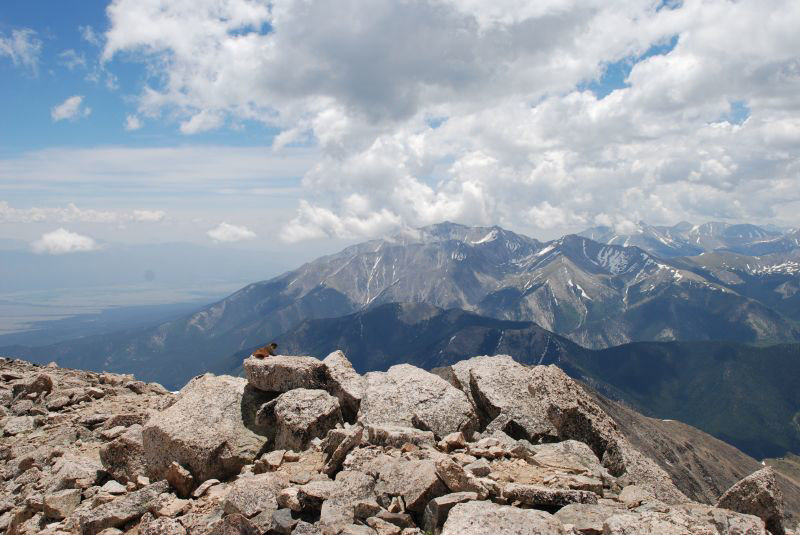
123,457
210,430
345,383
281,373
302,415
410,397
480,518
757,494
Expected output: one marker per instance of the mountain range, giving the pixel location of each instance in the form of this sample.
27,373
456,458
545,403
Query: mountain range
485,290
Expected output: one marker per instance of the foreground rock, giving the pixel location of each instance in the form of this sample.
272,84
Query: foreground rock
411,397
757,494
481,518
302,415
419,461
542,404
210,430
281,373
345,383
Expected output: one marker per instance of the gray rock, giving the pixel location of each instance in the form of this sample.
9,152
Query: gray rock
586,518
415,481
123,457
345,383
281,373
537,495
541,403
438,508
40,383
479,468
203,487
113,487
458,479
251,495
302,415
18,424
234,524
304,528
163,526
311,495
498,386
283,522
395,436
210,429
723,520
122,510
410,397
71,472
757,494
338,444
62,503
633,496
482,518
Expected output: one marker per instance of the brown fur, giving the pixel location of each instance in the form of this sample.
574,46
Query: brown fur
266,351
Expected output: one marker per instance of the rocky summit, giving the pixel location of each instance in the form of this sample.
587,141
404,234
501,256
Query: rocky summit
305,446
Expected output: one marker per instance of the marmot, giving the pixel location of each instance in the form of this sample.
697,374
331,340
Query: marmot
265,351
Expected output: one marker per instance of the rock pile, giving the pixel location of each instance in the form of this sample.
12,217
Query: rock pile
307,446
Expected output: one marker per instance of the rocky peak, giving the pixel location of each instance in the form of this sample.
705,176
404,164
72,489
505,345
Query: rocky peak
308,446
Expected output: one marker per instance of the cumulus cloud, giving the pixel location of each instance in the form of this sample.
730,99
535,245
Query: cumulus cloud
72,108
62,241
22,47
225,232
482,113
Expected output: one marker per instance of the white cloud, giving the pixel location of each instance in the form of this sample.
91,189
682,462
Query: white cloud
225,232
148,216
132,122
73,214
521,142
22,47
72,108
62,241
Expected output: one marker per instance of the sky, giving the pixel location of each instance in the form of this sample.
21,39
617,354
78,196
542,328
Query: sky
300,125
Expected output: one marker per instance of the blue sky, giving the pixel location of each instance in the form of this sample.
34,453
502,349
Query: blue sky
27,96
350,121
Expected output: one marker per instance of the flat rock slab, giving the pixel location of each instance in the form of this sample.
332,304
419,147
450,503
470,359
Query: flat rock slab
209,430
281,373
536,495
482,518
411,397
